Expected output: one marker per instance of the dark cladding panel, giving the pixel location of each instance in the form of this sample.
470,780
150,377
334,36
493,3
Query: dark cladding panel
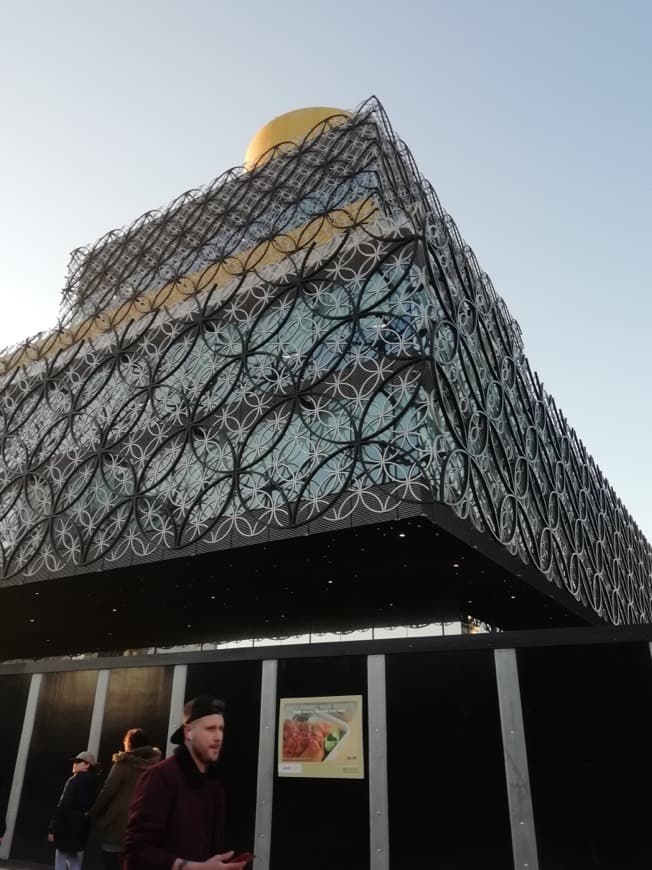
447,793
588,719
13,699
136,698
321,823
61,728
238,684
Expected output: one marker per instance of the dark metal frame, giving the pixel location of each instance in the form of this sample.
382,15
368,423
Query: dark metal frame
599,634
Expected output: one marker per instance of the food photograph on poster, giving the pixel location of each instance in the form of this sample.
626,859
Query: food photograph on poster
321,737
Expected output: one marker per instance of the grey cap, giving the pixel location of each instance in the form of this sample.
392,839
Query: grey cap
86,756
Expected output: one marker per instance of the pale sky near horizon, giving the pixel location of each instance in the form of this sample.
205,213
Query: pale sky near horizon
532,120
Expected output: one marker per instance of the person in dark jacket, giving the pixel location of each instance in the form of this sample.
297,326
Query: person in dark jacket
70,823
110,810
176,818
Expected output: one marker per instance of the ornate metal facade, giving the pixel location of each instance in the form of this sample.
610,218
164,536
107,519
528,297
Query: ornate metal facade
305,343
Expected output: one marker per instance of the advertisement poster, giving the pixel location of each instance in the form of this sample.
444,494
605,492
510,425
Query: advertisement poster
321,737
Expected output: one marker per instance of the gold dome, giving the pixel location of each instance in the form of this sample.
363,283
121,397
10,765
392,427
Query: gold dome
291,129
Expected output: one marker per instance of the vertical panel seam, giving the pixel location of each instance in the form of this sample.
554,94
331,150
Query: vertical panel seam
524,845
378,783
97,717
21,763
177,698
266,764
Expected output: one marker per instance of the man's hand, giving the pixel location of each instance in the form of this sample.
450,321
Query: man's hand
217,862
50,838
222,862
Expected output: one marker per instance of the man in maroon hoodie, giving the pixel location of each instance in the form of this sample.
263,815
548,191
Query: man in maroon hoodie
176,817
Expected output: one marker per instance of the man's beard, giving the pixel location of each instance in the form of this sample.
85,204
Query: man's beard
205,756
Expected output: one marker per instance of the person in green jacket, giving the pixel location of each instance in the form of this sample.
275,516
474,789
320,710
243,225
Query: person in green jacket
110,810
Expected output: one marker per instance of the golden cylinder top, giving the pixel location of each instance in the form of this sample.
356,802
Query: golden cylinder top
289,130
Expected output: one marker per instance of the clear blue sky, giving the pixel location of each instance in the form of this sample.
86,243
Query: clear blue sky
531,119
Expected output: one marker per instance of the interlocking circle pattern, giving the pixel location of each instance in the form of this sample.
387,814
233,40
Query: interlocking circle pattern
303,343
